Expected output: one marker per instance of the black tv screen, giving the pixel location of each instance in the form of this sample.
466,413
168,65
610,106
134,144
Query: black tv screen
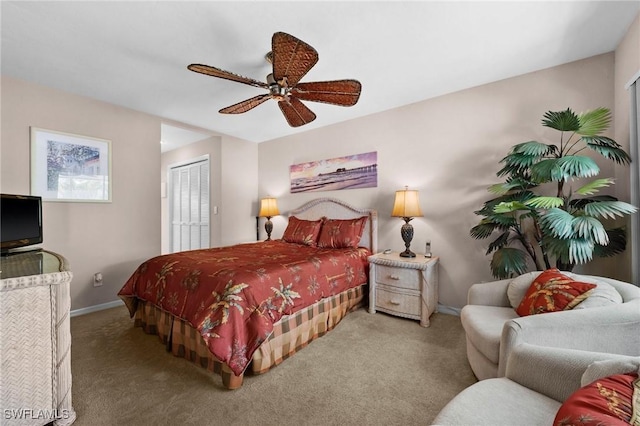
20,221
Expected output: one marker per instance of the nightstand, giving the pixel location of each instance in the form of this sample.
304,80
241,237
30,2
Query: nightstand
403,286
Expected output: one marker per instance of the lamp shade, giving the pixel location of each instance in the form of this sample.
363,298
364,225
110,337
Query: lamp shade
406,204
268,207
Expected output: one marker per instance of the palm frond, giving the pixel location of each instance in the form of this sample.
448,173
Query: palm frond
510,207
594,122
534,149
508,262
545,202
519,158
547,170
509,185
505,221
608,148
580,250
617,243
565,121
579,203
577,166
483,230
498,243
609,209
558,222
557,247
592,187
590,228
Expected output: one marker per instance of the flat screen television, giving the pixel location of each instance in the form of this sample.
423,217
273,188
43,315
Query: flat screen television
20,221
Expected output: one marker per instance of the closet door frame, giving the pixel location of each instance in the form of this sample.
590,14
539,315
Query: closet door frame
172,194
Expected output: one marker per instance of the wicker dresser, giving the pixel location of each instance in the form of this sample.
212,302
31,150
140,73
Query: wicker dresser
406,287
35,340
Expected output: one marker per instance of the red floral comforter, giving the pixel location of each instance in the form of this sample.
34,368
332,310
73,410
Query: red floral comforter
233,295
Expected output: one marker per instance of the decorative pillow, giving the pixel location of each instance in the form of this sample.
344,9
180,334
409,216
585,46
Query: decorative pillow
607,401
603,295
552,291
518,287
341,233
302,231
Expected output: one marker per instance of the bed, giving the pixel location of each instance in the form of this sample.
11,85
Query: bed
248,307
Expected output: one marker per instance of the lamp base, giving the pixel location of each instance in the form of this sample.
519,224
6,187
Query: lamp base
407,253
268,227
407,235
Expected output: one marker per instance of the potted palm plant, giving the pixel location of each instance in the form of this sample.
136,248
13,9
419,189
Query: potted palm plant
533,229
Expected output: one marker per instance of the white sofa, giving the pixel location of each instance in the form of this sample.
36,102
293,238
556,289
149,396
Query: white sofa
538,379
493,328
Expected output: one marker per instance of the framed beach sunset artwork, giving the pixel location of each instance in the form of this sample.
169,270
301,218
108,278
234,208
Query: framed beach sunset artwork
350,172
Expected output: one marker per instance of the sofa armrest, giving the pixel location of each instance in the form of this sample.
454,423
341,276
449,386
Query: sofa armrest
613,329
489,294
554,372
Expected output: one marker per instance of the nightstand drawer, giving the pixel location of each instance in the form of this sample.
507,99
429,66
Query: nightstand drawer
399,302
398,277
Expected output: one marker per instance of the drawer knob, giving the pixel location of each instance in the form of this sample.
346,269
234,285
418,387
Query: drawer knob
393,302
394,277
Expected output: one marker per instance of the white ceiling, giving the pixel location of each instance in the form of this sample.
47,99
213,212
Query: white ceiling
135,54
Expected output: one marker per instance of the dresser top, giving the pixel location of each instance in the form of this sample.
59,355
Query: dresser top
34,262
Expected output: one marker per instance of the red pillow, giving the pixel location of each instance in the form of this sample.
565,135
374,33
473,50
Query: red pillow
552,292
606,401
302,231
341,233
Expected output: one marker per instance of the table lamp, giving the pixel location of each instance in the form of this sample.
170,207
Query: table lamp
406,206
268,209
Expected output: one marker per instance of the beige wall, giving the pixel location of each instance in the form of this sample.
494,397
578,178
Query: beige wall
114,238
448,148
239,177
111,238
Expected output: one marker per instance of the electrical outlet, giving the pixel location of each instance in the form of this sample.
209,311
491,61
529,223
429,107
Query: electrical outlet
97,279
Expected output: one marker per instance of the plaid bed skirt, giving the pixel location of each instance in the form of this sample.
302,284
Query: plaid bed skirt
290,334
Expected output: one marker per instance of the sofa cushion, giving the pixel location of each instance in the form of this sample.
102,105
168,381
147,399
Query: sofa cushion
483,326
610,367
603,295
606,401
553,291
498,402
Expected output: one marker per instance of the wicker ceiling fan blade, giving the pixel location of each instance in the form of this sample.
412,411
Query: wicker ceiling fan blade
296,113
337,92
292,58
245,105
217,72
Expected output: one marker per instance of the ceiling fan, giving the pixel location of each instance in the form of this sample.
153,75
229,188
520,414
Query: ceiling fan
291,59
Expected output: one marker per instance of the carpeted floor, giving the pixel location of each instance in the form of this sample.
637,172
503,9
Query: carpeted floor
371,369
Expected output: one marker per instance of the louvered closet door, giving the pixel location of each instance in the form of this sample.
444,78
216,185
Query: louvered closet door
190,206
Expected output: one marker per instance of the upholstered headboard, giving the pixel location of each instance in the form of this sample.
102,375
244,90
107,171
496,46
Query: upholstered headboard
337,209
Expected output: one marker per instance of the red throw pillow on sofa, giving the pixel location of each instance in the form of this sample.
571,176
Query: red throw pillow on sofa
552,291
606,401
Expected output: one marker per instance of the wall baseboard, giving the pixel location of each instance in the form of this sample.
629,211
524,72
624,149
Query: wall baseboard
95,308
448,310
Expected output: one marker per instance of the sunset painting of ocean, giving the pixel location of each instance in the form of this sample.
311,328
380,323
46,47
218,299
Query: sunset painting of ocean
353,171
